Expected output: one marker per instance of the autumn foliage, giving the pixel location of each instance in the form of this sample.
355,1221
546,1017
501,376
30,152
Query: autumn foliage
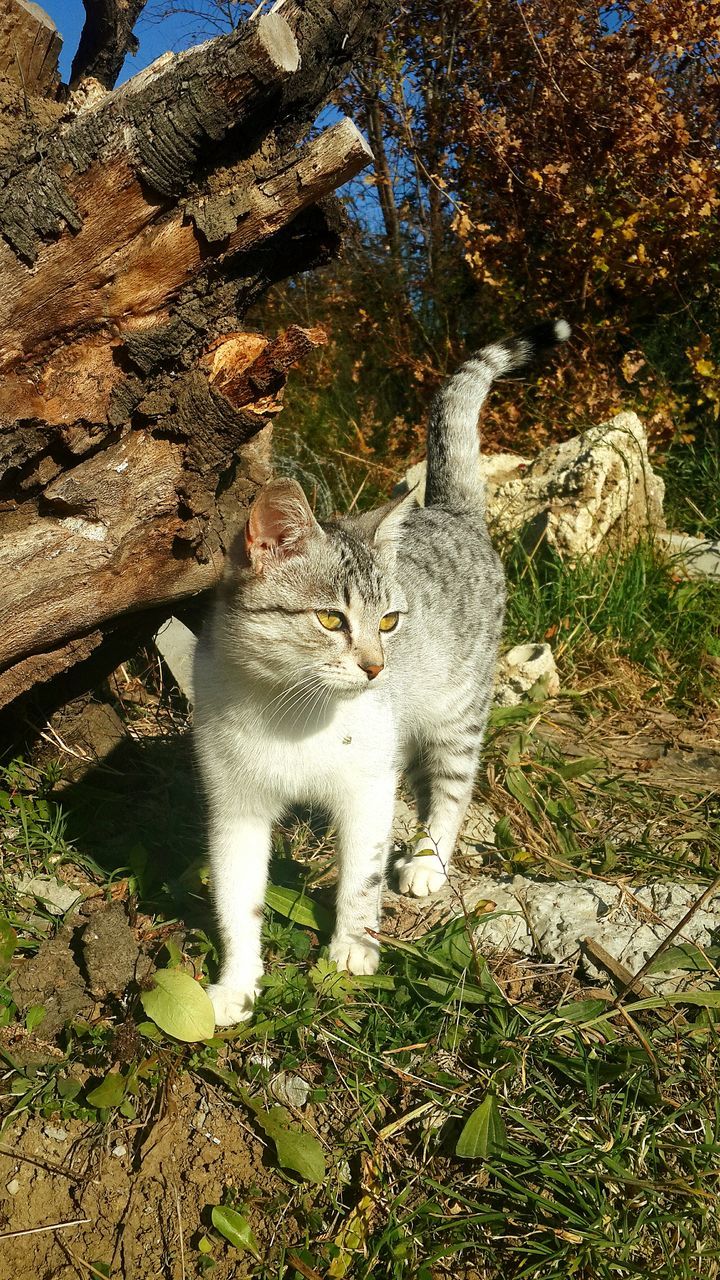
535,158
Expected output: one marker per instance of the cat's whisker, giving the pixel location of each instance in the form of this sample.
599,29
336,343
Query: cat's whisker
286,699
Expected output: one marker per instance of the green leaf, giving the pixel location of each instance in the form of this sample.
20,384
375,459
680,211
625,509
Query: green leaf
8,943
149,1031
504,838
110,1093
587,764
34,1016
451,942
295,905
179,1006
234,1228
686,956
205,1245
327,978
519,787
174,954
484,1133
68,1087
581,1010
296,1149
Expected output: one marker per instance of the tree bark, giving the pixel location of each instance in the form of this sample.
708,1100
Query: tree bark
106,37
137,228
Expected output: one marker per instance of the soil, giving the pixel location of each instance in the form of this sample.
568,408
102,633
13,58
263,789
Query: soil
145,1191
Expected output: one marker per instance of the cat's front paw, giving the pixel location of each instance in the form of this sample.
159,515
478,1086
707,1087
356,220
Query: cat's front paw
355,954
421,875
231,1004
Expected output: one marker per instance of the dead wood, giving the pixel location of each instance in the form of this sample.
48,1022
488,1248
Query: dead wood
136,229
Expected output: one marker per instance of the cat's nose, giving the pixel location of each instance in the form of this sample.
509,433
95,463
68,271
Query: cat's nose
372,669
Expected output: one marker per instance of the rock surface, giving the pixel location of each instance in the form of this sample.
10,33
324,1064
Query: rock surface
549,919
593,490
693,557
526,673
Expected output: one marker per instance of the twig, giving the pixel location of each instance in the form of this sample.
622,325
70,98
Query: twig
80,1262
41,1164
409,1116
51,1226
707,893
309,1272
180,1229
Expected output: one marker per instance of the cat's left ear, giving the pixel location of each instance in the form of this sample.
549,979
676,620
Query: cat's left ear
382,527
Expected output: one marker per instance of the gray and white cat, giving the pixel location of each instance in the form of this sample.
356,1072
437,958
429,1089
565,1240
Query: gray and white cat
339,656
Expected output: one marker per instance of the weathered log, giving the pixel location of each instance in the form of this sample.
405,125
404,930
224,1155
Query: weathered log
135,234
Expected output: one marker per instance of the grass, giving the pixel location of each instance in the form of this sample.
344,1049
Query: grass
476,1119
630,606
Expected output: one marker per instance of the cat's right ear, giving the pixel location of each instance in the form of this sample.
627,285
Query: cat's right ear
279,526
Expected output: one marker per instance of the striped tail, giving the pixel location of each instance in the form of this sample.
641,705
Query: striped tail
453,447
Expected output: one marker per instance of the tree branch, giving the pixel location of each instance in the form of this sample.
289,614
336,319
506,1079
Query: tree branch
107,37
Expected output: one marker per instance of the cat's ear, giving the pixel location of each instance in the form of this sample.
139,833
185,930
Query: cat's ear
280,525
382,527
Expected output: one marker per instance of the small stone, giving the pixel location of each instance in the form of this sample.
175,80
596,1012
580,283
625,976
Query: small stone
12,1187
119,1151
260,1060
290,1089
526,674
56,896
57,1135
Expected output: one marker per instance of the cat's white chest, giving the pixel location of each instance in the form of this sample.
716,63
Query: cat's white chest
308,762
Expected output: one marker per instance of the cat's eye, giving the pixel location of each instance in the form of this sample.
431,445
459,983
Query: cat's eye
331,619
389,622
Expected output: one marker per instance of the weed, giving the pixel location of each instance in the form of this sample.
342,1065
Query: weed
627,605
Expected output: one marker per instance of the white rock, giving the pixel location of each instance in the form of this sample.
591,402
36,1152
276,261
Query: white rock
693,557
551,919
594,489
12,1187
526,668
57,1135
290,1089
176,644
119,1151
56,896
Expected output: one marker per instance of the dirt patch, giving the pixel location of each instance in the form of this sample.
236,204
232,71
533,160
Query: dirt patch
52,979
84,961
145,1190
110,951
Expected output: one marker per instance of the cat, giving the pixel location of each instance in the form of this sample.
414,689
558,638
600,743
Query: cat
340,655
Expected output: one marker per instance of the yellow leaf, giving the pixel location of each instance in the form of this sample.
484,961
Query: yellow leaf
351,1238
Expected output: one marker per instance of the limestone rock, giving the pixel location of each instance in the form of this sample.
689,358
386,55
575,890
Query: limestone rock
526,673
578,496
692,557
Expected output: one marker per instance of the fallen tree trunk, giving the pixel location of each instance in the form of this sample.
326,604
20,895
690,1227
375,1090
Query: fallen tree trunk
138,226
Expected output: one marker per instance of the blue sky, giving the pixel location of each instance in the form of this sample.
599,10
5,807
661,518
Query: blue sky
155,38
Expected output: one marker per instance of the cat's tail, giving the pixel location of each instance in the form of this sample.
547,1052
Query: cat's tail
453,447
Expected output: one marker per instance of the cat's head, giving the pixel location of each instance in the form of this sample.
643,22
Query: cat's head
313,605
